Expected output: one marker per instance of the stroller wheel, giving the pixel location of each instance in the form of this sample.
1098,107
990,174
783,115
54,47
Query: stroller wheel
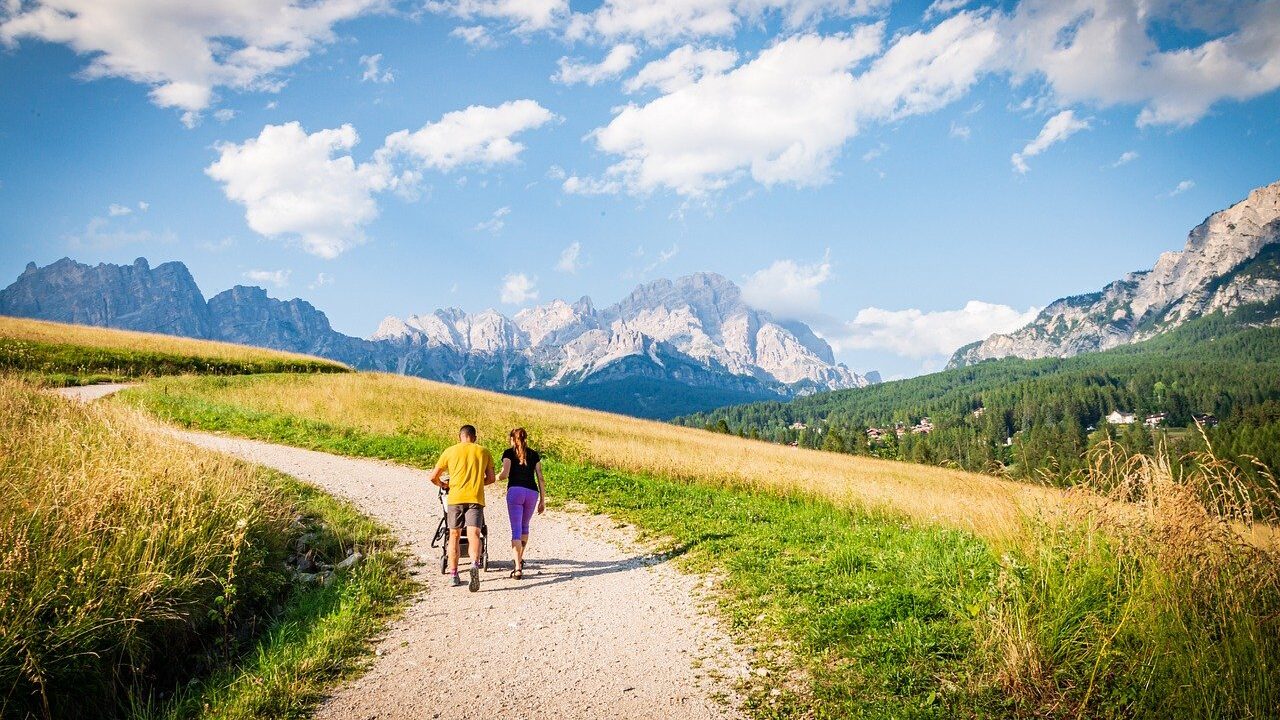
444,564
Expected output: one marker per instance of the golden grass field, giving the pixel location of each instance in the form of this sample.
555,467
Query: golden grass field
389,404
40,331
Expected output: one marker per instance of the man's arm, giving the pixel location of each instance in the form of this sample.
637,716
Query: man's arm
489,477
435,477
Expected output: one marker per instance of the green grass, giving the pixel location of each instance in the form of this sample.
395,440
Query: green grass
74,364
864,614
319,635
879,614
134,566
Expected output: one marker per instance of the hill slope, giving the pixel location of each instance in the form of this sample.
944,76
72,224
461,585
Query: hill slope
1032,415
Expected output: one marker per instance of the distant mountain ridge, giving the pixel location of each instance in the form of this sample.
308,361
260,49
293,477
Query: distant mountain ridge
692,332
1230,260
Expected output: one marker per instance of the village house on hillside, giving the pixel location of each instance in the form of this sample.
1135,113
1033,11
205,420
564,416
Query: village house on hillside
1205,419
1156,420
797,425
924,427
1120,418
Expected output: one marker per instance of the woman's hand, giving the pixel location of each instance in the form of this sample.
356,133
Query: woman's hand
542,505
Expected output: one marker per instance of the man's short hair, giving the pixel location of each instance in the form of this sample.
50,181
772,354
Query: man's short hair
469,431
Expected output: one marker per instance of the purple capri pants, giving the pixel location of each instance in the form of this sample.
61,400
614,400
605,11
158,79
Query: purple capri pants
522,503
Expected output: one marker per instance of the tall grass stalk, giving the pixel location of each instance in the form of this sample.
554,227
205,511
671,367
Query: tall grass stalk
1147,597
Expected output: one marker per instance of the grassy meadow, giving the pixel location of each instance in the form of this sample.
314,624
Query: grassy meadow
142,577
873,588
60,354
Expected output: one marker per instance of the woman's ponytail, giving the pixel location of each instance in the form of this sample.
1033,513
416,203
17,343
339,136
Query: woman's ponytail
520,441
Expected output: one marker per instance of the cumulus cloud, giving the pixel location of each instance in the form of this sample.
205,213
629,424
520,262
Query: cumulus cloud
787,288
476,36
184,51
116,210
1057,129
322,279
278,278
496,221
479,135
224,115
517,289
618,59
1125,158
783,117
372,72
102,233
1182,187
302,187
682,66
522,15
575,185
1104,52
916,334
570,258
660,22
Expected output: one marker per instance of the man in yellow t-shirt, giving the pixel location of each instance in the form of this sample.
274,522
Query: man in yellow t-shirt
470,468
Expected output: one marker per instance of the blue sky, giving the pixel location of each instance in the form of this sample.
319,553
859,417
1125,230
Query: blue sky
904,176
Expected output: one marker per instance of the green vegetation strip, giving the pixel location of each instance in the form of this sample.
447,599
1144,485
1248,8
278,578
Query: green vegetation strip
71,364
318,636
878,614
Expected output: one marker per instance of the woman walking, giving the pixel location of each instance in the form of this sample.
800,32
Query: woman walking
522,468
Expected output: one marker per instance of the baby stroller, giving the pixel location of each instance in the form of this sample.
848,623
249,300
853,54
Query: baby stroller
441,539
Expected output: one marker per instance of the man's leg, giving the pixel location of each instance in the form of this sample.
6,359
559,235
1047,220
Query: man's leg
455,534
473,549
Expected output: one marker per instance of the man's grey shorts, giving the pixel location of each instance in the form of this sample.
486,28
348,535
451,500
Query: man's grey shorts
466,514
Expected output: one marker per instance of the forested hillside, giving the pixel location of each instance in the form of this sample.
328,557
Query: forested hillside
1037,417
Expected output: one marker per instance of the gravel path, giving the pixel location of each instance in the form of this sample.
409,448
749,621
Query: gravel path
598,627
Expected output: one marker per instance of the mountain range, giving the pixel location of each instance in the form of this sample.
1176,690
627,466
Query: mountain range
1230,260
670,347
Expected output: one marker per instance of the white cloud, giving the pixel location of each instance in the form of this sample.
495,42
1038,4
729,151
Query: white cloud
372,72
875,153
618,59
478,135
224,115
570,260
185,50
303,187
143,205
914,333
575,185
522,15
1182,187
1057,129
116,210
1104,52
786,288
660,22
943,7
322,279
496,221
682,66
783,117
100,234
959,131
476,36
278,278
1125,158
518,289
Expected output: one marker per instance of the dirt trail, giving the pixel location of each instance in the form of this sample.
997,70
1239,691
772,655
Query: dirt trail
598,626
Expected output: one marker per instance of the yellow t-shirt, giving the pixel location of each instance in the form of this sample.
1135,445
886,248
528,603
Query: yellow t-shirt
467,463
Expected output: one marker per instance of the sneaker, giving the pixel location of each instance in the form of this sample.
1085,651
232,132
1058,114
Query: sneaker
475,579
456,582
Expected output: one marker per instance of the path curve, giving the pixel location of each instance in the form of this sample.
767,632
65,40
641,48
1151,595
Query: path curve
599,626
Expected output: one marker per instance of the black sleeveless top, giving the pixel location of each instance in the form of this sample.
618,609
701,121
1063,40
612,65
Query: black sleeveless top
522,475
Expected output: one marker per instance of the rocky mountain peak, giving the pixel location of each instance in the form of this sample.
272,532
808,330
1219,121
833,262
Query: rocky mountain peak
1214,271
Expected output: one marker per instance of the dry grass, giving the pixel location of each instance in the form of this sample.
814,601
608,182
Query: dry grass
115,545
389,404
52,333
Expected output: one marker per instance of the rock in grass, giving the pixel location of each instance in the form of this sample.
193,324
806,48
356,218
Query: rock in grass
350,561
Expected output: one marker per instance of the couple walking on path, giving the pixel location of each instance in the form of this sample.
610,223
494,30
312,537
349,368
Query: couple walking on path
468,467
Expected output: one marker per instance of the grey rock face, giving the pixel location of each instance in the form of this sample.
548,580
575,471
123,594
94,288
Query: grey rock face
132,297
1224,265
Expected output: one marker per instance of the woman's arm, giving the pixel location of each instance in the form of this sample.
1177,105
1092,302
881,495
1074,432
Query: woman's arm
506,469
542,488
